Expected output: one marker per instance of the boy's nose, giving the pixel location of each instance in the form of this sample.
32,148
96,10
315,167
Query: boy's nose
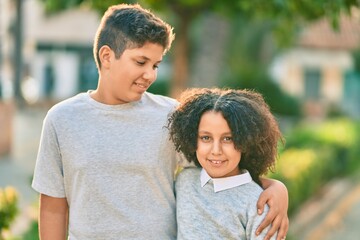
150,75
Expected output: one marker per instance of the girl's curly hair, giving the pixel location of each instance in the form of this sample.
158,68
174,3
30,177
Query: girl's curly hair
254,129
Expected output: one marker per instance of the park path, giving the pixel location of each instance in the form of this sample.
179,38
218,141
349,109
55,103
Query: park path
16,169
333,214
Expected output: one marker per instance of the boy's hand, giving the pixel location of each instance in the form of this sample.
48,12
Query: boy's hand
276,196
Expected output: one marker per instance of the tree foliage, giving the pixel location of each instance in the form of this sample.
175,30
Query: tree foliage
290,10
285,16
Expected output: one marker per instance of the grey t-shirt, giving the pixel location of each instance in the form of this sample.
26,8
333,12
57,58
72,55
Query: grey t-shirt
205,214
114,164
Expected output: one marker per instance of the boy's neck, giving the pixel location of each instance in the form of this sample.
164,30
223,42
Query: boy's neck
98,96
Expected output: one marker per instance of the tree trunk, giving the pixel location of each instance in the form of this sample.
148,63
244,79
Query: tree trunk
180,55
210,54
18,64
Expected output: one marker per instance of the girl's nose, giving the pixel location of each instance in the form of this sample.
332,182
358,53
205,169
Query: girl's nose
216,148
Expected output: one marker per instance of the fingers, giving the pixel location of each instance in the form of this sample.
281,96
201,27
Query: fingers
264,197
269,218
274,228
277,214
284,227
279,226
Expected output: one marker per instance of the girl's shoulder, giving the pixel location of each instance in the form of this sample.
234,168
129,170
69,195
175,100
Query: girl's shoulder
189,172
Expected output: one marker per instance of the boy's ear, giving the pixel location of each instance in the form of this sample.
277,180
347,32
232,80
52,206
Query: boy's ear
105,54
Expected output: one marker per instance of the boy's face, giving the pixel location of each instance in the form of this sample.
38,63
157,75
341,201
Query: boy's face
129,76
215,148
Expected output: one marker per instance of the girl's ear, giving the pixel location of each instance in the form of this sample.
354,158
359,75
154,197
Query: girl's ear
105,54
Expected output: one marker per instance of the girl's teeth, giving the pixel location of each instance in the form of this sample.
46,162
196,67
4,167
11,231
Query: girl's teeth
216,162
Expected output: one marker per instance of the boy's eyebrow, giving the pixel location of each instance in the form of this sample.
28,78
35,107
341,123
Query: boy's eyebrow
148,59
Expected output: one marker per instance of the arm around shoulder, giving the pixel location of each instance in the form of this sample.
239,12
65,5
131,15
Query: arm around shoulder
53,219
275,194
253,227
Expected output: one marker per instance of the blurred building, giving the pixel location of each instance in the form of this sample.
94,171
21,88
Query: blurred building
57,51
58,59
6,108
6,19
321,70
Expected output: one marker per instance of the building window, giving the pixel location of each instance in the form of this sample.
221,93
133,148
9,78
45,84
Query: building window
88,73
351,94
49,80
312,79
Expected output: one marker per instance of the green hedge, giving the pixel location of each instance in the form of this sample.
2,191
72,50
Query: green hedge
8,208
314,154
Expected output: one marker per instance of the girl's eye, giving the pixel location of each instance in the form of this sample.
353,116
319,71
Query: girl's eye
227,139
155,67
205,138
140,63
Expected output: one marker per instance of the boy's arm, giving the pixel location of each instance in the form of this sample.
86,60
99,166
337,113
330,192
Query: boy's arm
53,220
275,194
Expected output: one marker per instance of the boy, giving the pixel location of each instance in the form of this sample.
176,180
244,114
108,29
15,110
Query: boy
105,167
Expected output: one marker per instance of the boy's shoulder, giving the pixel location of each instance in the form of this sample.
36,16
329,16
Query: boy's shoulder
160,100
67,105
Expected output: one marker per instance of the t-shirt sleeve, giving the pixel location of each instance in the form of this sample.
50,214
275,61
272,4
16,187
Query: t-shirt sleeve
48,174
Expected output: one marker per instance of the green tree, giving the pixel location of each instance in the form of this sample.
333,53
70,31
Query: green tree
285,14
247,65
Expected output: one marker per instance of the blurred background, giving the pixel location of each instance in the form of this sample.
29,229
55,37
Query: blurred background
303,56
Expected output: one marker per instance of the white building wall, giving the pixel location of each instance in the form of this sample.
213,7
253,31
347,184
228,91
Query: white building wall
38,66
74,27
288,68
66,66
333,84
7,14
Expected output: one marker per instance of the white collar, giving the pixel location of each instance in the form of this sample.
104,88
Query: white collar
226,182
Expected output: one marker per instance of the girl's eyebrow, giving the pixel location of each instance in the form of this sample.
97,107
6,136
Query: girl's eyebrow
203,131
207,132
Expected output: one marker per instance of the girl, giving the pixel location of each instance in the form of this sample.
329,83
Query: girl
232,137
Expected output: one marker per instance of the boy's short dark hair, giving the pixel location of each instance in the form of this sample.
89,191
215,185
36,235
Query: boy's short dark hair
254,129
126,26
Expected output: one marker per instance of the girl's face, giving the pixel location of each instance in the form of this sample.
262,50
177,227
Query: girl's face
215,148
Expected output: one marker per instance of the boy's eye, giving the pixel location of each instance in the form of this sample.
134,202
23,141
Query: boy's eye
155,66
140,63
